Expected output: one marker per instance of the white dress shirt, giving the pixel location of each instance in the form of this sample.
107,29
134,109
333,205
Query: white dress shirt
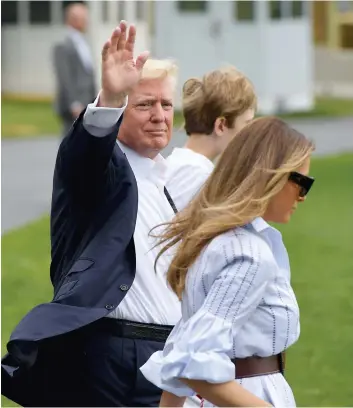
186,174
238,302
149,300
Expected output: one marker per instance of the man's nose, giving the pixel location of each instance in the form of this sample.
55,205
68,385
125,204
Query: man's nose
157,113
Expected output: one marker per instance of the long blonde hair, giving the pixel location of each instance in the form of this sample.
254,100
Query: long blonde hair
253,169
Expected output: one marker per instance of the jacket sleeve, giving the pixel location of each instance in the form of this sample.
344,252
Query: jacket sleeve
84,162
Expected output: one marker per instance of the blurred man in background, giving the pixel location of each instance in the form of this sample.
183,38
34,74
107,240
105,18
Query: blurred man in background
73,67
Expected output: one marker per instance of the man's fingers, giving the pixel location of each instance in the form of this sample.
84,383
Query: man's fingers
141,60
122,39
105,50
130,43
115,38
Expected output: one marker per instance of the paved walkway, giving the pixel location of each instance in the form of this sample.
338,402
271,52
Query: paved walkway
26,179
27,166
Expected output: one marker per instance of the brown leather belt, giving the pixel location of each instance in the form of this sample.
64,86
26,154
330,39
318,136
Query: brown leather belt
255,366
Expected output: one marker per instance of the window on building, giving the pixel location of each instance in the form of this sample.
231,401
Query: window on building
297,9
320,19
275,9
192,6
105,11
244,10
151,17
9,12
141,8
344,6
121,10
346,32
39,12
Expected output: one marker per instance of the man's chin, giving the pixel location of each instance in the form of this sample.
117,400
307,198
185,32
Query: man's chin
158,143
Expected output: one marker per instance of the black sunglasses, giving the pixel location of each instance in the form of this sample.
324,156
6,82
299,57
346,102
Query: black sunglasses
304,182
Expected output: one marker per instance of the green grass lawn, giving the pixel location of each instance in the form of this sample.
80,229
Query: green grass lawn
319,241
34,118
326,107
28,119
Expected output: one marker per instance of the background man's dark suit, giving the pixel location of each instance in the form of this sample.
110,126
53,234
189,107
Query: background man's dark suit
75,82
94,208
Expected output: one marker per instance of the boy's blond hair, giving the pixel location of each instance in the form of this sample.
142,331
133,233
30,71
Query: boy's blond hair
225,92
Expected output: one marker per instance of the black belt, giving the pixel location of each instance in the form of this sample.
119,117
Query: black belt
134,330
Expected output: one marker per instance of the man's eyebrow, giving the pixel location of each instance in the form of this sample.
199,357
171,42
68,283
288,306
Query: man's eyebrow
147,97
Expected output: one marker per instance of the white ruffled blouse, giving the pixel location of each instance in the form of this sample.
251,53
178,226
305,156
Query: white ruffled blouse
238,302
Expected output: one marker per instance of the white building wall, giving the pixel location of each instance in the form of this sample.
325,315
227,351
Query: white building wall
26,59
275,54
26,51
289,66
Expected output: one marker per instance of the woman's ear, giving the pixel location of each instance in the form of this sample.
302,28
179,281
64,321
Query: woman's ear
220,126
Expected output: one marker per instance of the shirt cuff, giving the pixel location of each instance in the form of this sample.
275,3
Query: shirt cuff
100,121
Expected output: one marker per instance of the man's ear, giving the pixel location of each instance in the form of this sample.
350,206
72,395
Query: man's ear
220,126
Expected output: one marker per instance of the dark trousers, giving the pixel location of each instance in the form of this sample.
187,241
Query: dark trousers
90,368
53,381
112,372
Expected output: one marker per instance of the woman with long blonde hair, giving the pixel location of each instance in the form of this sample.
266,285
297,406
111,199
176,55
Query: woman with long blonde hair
231,271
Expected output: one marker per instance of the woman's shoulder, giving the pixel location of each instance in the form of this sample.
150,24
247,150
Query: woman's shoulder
240,242
239,250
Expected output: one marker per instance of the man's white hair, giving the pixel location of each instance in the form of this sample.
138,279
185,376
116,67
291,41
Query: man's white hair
156,68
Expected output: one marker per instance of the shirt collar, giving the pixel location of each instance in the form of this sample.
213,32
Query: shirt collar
143,167
266,230
259,224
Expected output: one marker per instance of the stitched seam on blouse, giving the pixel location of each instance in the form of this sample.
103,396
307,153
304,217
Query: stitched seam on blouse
218,247
211,302
272,381
286,307
203,277
194,280
274,327
229,267
254,273
286,392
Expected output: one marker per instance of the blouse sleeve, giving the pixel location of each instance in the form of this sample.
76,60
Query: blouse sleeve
199,348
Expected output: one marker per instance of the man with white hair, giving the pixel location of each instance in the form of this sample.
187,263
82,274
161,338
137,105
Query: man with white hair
110,310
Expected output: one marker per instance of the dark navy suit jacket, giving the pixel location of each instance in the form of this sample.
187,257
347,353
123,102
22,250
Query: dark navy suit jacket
93,216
